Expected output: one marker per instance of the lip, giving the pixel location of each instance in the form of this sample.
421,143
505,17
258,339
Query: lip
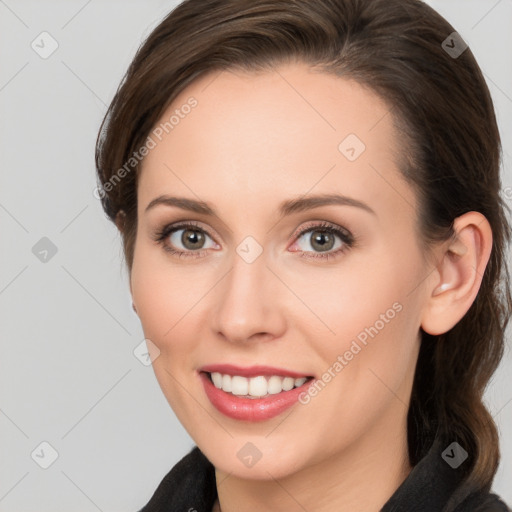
251,409
251,371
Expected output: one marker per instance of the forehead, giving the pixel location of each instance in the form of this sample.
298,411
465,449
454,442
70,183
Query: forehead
271,134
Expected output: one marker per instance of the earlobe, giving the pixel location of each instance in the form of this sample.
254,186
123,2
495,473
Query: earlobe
458,274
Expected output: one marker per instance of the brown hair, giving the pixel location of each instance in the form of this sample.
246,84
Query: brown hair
451,156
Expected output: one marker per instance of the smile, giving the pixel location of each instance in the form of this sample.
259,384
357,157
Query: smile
252,394
255,387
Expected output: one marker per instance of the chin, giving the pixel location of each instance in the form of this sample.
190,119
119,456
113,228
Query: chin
255,457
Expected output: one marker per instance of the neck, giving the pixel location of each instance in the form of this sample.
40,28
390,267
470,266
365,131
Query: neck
360,478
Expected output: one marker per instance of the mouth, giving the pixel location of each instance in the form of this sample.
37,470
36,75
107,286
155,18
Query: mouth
260,386
254,393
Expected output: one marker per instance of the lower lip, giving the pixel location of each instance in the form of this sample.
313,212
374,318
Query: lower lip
251,409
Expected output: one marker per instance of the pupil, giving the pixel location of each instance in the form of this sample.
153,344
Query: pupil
323,235
192,237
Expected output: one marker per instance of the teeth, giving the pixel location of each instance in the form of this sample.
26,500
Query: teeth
226,382
255,386
217,379
239,385
288,383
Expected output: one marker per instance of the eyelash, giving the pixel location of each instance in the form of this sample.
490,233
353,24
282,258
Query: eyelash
346,237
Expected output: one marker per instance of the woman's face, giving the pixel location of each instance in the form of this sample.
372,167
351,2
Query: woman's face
250,290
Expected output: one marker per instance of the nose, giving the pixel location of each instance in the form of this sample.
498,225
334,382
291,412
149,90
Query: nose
249,303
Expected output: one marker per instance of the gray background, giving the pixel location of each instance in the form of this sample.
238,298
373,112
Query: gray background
68,374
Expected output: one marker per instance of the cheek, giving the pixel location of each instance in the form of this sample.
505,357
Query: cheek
162,296
165,294
372,310
371,333
365,292
165,299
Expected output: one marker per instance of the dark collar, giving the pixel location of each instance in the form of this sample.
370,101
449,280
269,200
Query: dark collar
436,484
432,486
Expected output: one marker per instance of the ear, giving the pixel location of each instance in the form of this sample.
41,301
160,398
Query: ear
456,280
120,217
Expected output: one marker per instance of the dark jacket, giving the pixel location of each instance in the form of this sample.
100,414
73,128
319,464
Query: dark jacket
432,486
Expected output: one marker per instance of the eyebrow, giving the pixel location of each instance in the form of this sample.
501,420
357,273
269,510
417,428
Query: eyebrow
288,207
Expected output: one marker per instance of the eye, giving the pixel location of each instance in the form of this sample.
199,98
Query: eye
191,237
322,238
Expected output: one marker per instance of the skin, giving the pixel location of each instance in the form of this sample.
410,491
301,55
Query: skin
253,141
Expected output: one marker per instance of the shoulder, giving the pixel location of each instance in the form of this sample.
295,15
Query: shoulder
482,502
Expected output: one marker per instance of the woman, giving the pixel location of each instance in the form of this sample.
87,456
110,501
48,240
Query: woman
309,199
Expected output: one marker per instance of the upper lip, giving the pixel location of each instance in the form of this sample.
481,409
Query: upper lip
251,371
